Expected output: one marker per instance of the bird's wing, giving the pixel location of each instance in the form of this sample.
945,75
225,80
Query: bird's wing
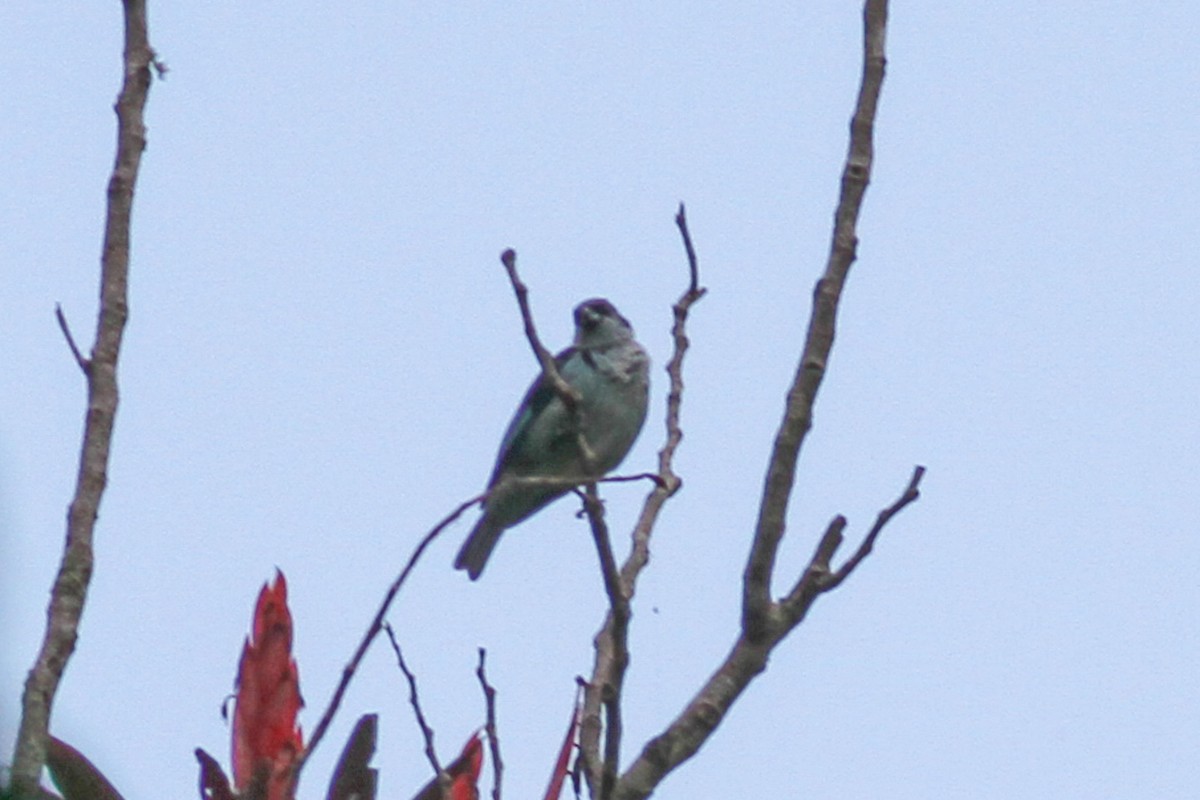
536,402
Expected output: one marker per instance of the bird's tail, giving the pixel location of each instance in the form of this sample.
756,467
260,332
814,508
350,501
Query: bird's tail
478,547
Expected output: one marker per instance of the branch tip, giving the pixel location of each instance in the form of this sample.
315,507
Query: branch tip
84,365
568,394
414,699
694,291
493,736
907,497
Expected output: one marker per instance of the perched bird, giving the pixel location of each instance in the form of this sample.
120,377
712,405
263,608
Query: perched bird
610,370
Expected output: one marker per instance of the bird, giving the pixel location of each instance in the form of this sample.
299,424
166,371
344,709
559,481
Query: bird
610,371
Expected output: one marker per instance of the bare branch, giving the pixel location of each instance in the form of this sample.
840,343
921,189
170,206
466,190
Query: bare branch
594,508
489,696
415,701
570,396
684,736
612,654
818,567
566,392
69,593
668,482
640,476
756,600
573,482
693,266
84,366
818,579
369,636
910,495
764,623
749,658
617,644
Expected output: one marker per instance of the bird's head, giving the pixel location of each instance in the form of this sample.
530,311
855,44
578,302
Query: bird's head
597,322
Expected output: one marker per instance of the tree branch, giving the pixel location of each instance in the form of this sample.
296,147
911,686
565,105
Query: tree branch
748,658
489,699
668,481
797,420
910,495
617,643
84,366
414,700
764,623
612,653
566,392
70,586
369,636
377,622
818,565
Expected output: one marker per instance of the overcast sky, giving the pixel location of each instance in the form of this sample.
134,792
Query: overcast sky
323,352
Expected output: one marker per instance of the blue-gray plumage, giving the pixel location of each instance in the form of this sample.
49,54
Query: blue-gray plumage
611,373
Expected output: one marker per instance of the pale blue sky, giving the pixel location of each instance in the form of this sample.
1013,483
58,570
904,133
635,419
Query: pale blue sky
323,352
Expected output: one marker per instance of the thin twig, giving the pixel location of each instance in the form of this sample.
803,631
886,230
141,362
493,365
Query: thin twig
609,667
83,363
594,509
818,578
69,593
369,636
582,768
693,266
654,477
911,494
573,482
668,482
489,698
568,394
415,701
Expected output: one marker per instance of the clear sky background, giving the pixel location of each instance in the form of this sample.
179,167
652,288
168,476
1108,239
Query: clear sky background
323,352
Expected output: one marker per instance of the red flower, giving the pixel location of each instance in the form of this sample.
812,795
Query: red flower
266,739
463,772
562,764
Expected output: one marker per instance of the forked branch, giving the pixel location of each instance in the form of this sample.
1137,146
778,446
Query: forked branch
764,622
797,418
